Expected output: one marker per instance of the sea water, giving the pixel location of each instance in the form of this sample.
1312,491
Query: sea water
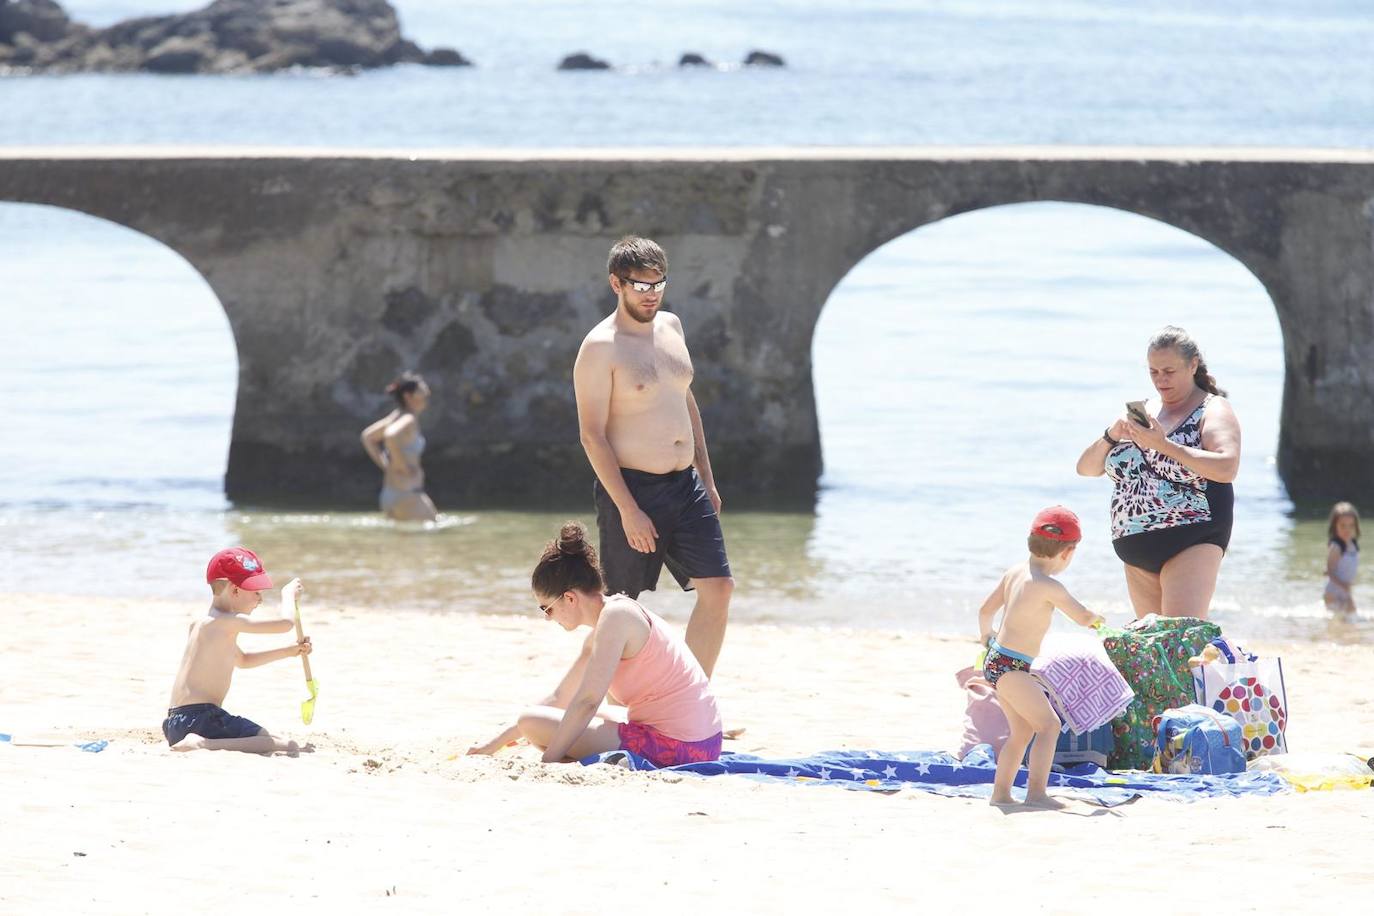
960,370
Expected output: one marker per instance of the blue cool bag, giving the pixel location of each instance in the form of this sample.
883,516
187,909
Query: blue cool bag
1090,747
1195,739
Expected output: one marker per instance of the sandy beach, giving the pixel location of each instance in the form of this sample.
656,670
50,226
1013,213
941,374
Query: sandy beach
384,814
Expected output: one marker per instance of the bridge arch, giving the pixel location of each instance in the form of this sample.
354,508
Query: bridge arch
970,361
125,361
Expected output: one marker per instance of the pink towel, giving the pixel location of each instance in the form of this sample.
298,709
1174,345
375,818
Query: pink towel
984,721
1083,686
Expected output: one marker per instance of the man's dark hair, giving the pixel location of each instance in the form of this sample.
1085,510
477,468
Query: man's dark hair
635,253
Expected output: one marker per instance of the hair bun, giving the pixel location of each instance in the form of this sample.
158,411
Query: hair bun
572,540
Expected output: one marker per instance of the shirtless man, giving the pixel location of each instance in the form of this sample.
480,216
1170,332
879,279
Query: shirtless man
656,499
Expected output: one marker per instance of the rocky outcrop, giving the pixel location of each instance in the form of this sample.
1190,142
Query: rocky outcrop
692,59
764,59
228,36
582,61
41,20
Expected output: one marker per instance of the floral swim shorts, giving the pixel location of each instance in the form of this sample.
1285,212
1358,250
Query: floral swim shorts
663,751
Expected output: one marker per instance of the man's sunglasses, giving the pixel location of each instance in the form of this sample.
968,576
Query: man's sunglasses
643,286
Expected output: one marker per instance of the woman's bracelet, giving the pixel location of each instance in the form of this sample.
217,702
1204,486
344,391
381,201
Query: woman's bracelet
1106,434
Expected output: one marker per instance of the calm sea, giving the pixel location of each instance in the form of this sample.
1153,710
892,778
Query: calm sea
959,370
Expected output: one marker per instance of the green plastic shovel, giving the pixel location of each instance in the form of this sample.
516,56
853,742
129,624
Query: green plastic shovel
307,706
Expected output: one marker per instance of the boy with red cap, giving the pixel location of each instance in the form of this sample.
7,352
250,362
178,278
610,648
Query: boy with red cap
1030,593
196,719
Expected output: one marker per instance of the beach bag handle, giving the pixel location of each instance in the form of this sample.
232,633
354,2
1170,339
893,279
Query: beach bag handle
1219,722
1169,669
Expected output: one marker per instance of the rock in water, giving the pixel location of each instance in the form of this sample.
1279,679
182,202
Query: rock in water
764,59
692,59
41,20
228,36
582,61
445,57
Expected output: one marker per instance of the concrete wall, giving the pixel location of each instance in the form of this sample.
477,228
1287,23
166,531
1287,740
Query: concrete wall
484,271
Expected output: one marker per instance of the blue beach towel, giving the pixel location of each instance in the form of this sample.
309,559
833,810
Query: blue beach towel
943,774
95,747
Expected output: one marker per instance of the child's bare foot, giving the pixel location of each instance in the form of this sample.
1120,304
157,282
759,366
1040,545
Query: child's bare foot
732,734
189,743
1045,802
1002,801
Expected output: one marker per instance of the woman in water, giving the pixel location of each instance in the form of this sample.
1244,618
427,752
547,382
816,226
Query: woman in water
395,443
630,655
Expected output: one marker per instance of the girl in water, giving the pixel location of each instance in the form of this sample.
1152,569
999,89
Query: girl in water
1342,557
395,443
630,655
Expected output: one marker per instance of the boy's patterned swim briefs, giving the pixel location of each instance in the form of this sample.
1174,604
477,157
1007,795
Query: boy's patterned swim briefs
1000,660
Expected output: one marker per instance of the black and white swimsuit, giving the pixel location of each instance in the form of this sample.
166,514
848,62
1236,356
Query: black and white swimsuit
1161,508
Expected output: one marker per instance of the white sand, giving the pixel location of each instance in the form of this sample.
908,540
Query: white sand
137,828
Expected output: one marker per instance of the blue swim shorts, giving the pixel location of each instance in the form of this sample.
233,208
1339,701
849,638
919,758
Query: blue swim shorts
690,542
208,721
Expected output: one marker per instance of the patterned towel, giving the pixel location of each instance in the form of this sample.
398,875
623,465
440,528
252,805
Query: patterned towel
1084,687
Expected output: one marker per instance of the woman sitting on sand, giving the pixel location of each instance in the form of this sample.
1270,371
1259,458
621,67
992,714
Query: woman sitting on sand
630,655
395,443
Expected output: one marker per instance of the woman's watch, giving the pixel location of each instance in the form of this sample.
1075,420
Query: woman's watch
1107,435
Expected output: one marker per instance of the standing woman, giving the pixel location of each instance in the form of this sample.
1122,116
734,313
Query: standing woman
1171,482
630,655
395,443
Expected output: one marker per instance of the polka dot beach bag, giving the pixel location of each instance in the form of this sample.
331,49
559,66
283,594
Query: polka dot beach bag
1251,691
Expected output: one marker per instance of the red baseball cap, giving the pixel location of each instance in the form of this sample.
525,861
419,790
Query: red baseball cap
1057,523
241,567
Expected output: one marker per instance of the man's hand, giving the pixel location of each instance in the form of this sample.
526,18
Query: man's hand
714,495
639,530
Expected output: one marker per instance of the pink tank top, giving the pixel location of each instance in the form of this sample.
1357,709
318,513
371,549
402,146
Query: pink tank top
663,686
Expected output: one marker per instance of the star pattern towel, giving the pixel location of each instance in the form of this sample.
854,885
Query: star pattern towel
942,774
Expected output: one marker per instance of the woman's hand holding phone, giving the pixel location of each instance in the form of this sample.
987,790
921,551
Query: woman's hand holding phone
1137,412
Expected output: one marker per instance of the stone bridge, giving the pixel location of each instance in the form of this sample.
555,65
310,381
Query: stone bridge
483,270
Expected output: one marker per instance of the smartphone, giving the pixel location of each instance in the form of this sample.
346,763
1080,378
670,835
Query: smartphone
1136,411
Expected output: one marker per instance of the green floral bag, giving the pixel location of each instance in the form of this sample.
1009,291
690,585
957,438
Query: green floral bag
1152,655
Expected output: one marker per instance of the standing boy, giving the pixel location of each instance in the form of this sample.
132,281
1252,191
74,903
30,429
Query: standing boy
1030,593
196,719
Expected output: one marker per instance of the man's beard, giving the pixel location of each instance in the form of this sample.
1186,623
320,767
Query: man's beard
634,313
